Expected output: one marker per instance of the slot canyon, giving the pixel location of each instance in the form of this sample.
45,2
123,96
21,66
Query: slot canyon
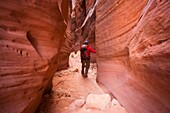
40,66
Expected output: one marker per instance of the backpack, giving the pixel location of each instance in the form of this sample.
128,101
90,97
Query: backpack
84,54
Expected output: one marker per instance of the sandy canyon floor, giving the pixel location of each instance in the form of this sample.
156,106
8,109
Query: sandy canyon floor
72,93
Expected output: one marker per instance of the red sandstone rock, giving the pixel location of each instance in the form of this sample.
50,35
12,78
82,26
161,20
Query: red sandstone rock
133,53
31,35
89,4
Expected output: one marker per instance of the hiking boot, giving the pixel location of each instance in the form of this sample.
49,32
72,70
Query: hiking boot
85,76
82,72
82,75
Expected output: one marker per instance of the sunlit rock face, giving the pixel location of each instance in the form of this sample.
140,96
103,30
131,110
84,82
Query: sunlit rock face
31,35
133,52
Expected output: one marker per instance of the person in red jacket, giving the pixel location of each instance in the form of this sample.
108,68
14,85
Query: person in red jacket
85,57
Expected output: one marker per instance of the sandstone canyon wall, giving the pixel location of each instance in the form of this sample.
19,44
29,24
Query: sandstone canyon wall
133,52
32,36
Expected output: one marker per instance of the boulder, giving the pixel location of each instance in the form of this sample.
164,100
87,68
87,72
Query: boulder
115,103
96,101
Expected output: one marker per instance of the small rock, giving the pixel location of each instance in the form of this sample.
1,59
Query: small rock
72,55
77,103
88,110
115,103
75,69
102,101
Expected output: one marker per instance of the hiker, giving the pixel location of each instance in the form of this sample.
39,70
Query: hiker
85,57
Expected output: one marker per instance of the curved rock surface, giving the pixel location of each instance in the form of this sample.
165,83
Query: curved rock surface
31,36
133,52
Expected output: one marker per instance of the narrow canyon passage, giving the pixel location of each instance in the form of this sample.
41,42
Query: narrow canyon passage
132,43
71,92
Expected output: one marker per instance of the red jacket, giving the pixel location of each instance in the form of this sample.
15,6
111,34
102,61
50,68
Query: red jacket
85,52
89,50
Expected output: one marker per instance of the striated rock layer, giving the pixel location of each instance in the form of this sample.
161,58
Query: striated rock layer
133,52
31,37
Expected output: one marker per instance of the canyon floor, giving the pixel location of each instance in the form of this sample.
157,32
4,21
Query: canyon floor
73,93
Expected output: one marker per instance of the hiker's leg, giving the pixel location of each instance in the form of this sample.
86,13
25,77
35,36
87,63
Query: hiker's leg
82,69
87,67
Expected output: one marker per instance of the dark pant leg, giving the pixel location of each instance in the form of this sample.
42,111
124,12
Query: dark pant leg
82,69
87,67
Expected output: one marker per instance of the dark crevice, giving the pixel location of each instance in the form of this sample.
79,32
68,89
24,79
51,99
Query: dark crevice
159,42
3,27
21,52
33,42
40,89
163,40
84,6
26,54
13,40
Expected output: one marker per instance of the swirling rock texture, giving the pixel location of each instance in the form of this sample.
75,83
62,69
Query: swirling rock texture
133,52
32,35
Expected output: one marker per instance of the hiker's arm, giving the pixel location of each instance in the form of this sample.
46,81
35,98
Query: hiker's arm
92,50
